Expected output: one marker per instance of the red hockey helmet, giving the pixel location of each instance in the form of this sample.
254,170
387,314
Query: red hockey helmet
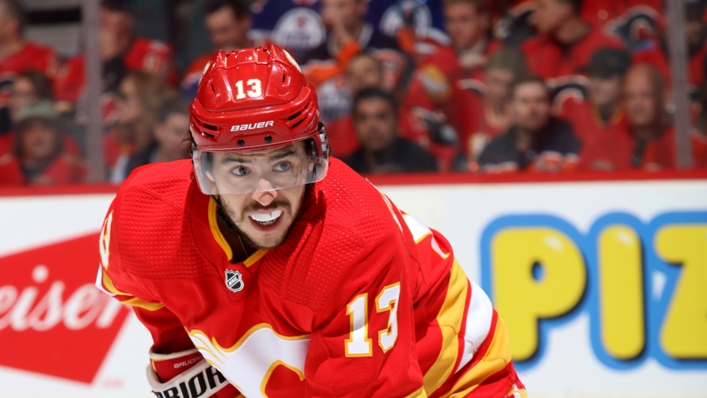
248,102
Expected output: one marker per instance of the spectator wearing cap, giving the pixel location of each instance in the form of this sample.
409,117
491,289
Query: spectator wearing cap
565,42
39,156
227,23
382,149
121,51
536,141
30,88
171,136
655,52
650,127
599,120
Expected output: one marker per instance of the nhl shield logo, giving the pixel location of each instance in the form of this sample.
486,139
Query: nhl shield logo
234,280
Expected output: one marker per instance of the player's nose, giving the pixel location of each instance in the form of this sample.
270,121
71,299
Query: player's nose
266,194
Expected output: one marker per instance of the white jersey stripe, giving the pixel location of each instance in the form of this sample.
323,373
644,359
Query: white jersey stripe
419,230
478,322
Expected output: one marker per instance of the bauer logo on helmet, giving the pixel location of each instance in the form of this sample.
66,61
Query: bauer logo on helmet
252,126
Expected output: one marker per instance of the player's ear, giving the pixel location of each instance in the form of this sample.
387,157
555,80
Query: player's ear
210,176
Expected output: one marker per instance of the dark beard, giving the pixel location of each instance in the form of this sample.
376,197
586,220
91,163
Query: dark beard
230,216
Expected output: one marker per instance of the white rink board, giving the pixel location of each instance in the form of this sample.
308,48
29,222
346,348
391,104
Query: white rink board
568,367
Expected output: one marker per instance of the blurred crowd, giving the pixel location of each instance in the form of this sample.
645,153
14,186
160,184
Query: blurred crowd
500,86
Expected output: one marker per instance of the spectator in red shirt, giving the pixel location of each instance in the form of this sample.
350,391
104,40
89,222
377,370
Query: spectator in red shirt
649,124
566,43
120,52
536,141
39,157
599,120
382,149
137,100
228,23
440,80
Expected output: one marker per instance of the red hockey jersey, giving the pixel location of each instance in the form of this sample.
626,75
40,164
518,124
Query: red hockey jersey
360,300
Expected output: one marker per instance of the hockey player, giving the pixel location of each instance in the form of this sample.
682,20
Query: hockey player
287,283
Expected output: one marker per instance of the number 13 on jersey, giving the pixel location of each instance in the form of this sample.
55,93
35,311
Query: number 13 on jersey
359,342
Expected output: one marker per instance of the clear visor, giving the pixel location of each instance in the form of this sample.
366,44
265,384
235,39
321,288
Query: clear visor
243,172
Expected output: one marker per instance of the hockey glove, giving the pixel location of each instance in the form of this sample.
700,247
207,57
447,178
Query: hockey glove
186,374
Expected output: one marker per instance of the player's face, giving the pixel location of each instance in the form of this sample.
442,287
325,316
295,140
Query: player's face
375,124
225,30
263,217
531,106
604,92
464,24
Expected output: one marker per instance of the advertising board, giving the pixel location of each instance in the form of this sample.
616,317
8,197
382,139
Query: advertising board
601,284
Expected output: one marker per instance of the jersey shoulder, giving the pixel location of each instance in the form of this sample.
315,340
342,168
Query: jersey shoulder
152,218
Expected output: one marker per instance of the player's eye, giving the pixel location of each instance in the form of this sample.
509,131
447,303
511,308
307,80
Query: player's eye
283,167
240,171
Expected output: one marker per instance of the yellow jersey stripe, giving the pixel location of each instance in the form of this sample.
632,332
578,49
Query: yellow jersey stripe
450,319
418,394
108,284
213,224
136,302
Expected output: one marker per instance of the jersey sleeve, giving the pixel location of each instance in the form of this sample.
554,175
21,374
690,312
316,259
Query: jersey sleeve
367,348
167,332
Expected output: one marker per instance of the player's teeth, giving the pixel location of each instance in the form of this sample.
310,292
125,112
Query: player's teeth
267,217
